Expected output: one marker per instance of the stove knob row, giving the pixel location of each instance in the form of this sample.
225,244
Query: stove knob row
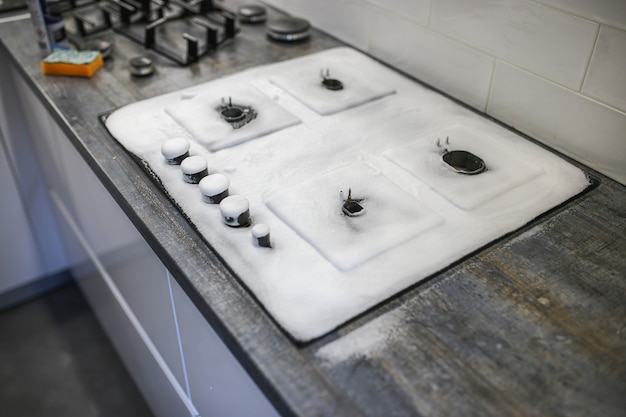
214,188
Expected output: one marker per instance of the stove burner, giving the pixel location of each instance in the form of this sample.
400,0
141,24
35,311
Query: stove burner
252,13
141,66
288,29
464,162
351,206
238,116
101,45
330,83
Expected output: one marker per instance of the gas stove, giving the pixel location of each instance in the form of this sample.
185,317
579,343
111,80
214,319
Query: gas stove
329,183
184,31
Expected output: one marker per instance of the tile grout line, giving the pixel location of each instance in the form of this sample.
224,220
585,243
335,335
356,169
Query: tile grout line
591,55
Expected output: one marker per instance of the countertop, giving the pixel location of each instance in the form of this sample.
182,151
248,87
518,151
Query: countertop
533,324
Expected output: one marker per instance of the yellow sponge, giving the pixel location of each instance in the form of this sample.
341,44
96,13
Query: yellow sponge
74,63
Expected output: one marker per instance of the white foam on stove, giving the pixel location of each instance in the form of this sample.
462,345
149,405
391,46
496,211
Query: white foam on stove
199,115
423,158
303,80
313,210
306,286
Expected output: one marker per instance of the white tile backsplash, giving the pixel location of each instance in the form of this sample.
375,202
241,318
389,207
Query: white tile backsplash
606,78
416,10
548,42
341,18
561,64
445,64
611,12
565,120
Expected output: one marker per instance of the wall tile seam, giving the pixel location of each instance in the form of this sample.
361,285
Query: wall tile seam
496,58
492,58
371,5
485,108
608,25
442,34
418,76
486,53
591,19
590,60
577,93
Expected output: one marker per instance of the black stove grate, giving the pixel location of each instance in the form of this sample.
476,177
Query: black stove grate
181,30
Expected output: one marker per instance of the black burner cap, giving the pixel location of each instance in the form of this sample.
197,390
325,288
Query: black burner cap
288,29
252,13
141,66
101,45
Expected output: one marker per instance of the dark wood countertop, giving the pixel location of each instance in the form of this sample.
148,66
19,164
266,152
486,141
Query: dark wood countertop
532,325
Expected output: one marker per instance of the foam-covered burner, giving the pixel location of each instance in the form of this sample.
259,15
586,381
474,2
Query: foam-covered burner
430,161
464,162
216,123
351,83
352,206
332,84
460,161
349,237
238,116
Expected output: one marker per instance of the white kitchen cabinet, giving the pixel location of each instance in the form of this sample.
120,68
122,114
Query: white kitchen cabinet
165,396
100,218
219,385
19,257
124,282
44,134
28,177
129,263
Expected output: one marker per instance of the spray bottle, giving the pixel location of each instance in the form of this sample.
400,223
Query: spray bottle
47,20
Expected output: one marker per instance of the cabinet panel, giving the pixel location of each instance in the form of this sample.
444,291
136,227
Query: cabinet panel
218,384
142,279
153,376
44,134
102,221
19,257
138,274
16,121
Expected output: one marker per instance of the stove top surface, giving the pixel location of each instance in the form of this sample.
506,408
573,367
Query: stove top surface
376,144
9,5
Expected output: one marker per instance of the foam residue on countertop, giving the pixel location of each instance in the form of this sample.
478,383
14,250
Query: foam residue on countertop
292,174
366,340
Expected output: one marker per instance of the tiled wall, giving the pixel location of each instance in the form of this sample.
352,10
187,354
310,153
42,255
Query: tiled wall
555,69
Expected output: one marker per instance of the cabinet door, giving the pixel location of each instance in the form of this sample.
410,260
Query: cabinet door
135,270
162,391
219,385
44,134
143,281
19,257
17,121
102,221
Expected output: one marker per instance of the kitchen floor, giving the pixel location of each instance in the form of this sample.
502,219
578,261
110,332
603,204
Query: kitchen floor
55,360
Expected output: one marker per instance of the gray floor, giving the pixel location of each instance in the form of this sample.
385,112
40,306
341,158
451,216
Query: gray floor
55,360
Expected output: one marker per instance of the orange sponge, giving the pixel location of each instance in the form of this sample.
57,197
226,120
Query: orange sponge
74,63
